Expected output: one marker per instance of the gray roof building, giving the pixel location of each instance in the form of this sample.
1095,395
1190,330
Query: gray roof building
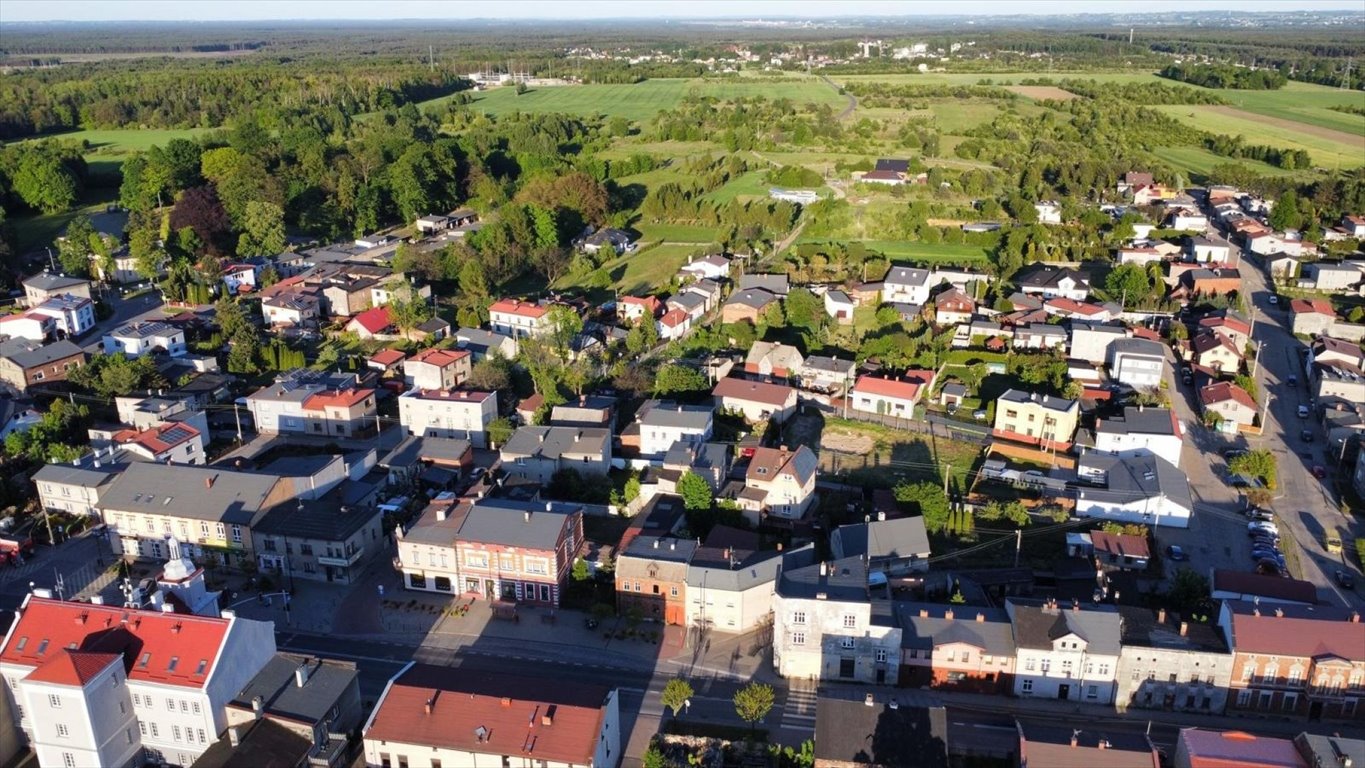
668,414
753,297
1037,625
30,355
329,518
1139,421
844,579
1131,479
1151,628
776,284
87,475
532,525
925,626
882,540
558,442
50,283
181,490
731,561
1144,347
906,276
281,695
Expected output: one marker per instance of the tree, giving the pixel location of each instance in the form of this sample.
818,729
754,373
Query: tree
44,182
676,694
1014,511
753,702
492,373
499,430
112,375
407,309
1259,463
262,230
674,379
473,299
200,210
580,571
931,501
804,310
1188,590
696,492
1285,214
231,318
73,251
1129,283
565,326
642,336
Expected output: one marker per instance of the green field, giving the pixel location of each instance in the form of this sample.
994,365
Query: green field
676,233
903,250
748,185
649,270
1340,150
1200,161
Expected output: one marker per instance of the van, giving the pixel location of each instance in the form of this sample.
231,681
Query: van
1303,411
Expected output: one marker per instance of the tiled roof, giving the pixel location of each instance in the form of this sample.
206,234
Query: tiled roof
1248,584
769,463
1237,749
72,667
336,398
1301,632
1223,391
906,388
754,391
674,318
520,308
387,357
374,320
1120,544
440,357
159,439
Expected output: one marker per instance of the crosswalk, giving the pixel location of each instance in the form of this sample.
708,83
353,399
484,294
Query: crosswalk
798,712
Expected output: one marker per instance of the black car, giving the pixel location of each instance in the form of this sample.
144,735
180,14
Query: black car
1307,435
1345,580
1176,554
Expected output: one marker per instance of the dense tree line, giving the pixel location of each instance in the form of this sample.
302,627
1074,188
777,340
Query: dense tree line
748,123
898,96
1134,93
1225,76
1236,146
44,176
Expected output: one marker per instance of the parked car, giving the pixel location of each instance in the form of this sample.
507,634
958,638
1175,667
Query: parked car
1261,525
952,408
1292,381
1176,554
1332,543
979,414
1256,513
1274,299
1345,580
1306,435
1303,411
1232,453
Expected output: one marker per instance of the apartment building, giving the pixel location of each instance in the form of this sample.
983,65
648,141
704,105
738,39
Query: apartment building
24,363
75,489
651,578
1171,664
462,414
959,648
730,581
664,423
143,338
537,453
518,319
1069,653
1044,420
438,368
825,626
307,402
779,484
1141,430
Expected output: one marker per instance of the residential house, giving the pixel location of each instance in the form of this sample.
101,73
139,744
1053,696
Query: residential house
141,338
631,309
315,700
1171,664
1334,278
779,485
518,551
1261,588
348,294
1139,363
1091,341
1283,267
747,305
773,361
1354,225
1053,282
1045,420
587,411
1229,402
1337,381
1312,317
75,488
1200,748
1229,324
1211,282
709,290
1326,349
713,267
438,368
839,305
619,241
537,453
45,285
518,319
428,558
651,578
889,547
24,363
826,374
730,581
906,285
431,330
953,307
463,414
879,731
71,315
755,400
292,308
1070,309
387,362
1119,551
1295,661
1063,746
825,626
1186,218
1039,336
1206,250
1217,352
239,278
111,685
430,715
664,424
1069,653
675,324
302,402
776,284
709,461
1139,488
1141,431
372,323
173,442
332,538
29,326
891,397
1140,254
958,648
483,343
432,223
1318,749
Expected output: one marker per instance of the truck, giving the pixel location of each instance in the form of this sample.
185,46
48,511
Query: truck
16,541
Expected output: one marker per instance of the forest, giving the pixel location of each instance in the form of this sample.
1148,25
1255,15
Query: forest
1226,76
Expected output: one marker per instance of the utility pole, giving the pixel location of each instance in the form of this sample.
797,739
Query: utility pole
237,414
946,474
1018,544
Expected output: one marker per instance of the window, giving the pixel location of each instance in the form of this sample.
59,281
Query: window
1170,678
799,617
54,701
62,730
1029,665
307,549
141,726
175,732
1066,667
170,667
68,760
154,733
1047,665
850,621
966,656
202,738
1027,686
1243,698
170,705
880,655
1295,675
1291,700
1104,670
845,642
1248,670
798,638
1092,692
673,591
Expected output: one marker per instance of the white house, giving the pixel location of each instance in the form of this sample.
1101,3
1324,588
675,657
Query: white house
1141,430
438,368
906,285
663,424
239,278
141,338
824,627
730,582
27,325
74,489
445,413
891,397
483,343
1139,363
839,306
45,285
103,685
779,483
296,308
1134,488
518,319
1069,653
1091,341
71,315
311,403
713,267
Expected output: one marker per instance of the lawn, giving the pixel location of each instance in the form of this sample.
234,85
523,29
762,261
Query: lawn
902,250
40,230
677,233
106,150
1337,150
748,185
648,270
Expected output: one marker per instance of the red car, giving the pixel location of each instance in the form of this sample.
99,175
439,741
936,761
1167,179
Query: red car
1319,472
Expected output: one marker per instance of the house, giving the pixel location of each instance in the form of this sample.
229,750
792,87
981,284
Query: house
891,397
1261,588
1211,282
953,307
296,308
111,685
1134,179
437,368
773,361
747,305
890,172
71,315
1229,402
1121,551
386,361
840,306
619,241
730,582
431,330
30,326
483,343
1200,748
45,285
1053,282
239,278
332,538
709,290
75,489
1063,746
538,453
713,267
1334,278
1141,431
1149,194
1296,661
518,319
1039,336
1070,309
1069,653
587,411
826,374
651,578
346,294
1335,380
1049,212
1327,350
1139,488
1169,662
141,338
462,414
302,402
315,700
631,309
779,483
1208,249
953,394
776,284
1318,749
825,628
24,363
1044,420
173,442
755,400
957,648
1139,363
1312,317
432,223
877,731
454,717
889,547
371,323
664,424
906,285
1229,324
1187,218
709,461
1215,351
1091,341
675,324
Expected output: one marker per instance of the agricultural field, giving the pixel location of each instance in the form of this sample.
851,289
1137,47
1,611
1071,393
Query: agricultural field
1329,148
107,149
650,269
677,233
1200,161
1039,92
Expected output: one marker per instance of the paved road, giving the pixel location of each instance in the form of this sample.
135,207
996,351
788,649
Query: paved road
125,310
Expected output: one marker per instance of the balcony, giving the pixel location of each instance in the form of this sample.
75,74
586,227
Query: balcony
342,562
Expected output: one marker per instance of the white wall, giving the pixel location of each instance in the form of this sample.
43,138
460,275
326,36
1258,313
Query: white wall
94,724
1160,511
1167,447
729,611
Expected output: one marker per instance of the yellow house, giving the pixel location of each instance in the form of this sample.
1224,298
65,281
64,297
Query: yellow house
1046,421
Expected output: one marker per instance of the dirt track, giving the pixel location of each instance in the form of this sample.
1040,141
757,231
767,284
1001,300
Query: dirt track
1042,92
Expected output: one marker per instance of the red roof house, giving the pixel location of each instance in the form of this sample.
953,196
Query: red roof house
371,322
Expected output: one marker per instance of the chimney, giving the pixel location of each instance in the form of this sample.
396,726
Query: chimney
1074,738
234,736
506,702
440,514
526,516
1075,605
867,700
548,718
672,545
208,481
1279,613
656,543
881,516
779,546
924,613
302,674
1161,616
1355,617
1255,611
542,437
1184,628
1104,744
981,618
258,707
824,569
430,702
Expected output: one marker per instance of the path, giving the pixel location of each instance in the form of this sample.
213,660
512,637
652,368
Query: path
852,100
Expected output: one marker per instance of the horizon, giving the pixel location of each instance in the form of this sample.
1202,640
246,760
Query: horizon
75,12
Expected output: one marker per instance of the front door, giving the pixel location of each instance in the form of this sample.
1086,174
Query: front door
489,590
1315,711
1064,691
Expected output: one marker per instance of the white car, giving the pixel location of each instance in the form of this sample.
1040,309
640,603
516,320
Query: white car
1262,526
1274,299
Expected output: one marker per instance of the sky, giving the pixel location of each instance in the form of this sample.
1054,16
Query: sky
262,10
